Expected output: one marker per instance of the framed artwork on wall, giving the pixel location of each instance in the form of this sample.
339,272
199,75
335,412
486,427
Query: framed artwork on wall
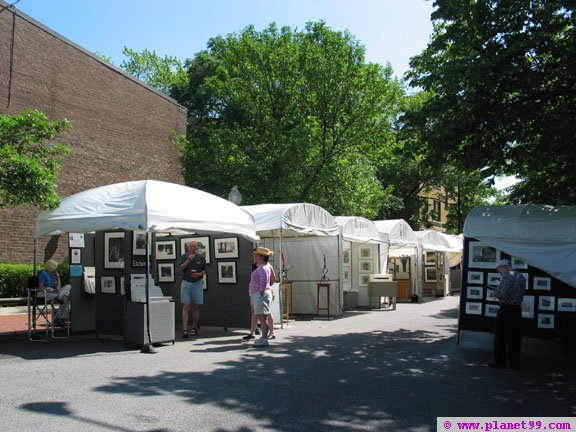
346,272
75,256
491,310
139,243
166,250
567,305
430,274
227,272
363,279
365,253
475,277
493,280
166,272
518,263
475,292
482,256
226,247
114,254
108,284
546,321
430,259
542,283
365,266
546,303
203,246
527,307
346,257
474,308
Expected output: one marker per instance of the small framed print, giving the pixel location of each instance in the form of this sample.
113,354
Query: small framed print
227,272
491,310
481,255
166,250
203,246
139,243
363,279
518,263
473,308
546,303
490,294
525,280
122,285
527,307
346,257
365,266
166,272
430,259
542,283
226,248
475,277
493,280
566,305
75,256
365,253
430,274
546,321
114,250
475,292
346,272
108,284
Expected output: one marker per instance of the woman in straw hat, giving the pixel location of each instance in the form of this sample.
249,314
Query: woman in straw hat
260,292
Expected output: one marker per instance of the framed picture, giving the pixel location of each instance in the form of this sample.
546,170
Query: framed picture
430,259
473,308
346,272
75,256
566,305
114,250
365,253
139,243
441,260
526,278
482,256
363,279
475,292
203,246
527,307
491,310
542,283
365,266
108,284
430,274
122,285
346,257
518,263
490,293
546,303
493,279
227,272
166,250
166,272
475,277
226,248
546,321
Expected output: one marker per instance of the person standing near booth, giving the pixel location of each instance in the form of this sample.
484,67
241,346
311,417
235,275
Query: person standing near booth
508,331
260,292
193,268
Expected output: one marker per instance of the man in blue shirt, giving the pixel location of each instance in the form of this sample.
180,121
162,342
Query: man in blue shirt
193,268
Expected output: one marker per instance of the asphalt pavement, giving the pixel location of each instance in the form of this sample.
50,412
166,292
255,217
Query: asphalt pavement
379,370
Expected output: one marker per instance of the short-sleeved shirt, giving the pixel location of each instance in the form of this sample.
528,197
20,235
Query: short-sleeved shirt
198,264
47,279
511,288
260,279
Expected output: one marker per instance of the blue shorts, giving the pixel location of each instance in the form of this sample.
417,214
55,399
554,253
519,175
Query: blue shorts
261,303
192,292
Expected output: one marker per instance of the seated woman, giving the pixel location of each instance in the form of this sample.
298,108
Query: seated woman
49,279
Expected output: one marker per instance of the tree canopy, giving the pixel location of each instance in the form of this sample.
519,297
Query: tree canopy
29,159
503,95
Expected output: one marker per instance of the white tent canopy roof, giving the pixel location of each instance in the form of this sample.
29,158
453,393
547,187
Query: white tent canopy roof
432,240
399,232
359,229
301,219
543,236
148,205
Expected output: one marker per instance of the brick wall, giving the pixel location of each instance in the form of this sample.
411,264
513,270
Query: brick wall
122,129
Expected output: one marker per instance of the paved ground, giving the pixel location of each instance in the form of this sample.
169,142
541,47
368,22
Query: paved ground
367,371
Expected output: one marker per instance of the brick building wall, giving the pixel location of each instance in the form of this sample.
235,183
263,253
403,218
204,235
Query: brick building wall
122,129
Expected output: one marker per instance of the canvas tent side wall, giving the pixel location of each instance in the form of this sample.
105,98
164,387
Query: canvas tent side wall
301,234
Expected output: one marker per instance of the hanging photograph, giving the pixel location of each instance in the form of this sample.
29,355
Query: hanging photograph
226,247
566,305
430,258
75,256
166,272
482,256
166,250
475,277
546,303
363,279
490,294
365,252
203,246
108,285
365,266
542,283
475,292
473,308
527,307
430,274
491,310
546,321
493,280
226,272
346,257
346,272
122,285
139,243
518,263
114,250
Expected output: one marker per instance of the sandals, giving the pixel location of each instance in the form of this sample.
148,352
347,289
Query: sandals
194,332
185,334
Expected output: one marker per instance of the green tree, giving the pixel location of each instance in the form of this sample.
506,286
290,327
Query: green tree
29,161
503,93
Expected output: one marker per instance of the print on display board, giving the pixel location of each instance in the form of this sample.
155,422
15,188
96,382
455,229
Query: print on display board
227,272
546,321
528,307
203,246
474,308
492,310
166,250
481,255
475,292
226,248
546,303
567,305
166,272
108,285
114,250
542,283
476,277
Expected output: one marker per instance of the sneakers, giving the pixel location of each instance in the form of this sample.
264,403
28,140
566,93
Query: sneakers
272,336
262,342
248,337
257,330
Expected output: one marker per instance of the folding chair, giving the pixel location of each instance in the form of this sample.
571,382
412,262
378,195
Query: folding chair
41,313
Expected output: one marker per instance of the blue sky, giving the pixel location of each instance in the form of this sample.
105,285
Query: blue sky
391,30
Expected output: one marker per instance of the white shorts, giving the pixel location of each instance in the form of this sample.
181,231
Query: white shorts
261,303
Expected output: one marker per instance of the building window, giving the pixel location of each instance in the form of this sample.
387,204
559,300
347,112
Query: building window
437,210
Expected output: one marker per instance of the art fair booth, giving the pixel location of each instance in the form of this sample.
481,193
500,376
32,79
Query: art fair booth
307,253
125,240
402,256
364,253
540,242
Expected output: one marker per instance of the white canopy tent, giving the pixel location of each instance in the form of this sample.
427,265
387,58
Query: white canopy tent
543,236
456,245
303,237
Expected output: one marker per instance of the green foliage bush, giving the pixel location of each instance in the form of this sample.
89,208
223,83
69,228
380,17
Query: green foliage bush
14,278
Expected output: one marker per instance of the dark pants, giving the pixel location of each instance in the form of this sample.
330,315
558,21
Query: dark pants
508,336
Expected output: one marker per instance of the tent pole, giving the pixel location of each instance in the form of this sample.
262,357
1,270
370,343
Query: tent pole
148,348
281,290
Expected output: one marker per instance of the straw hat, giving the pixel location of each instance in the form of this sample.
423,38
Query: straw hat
264,251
